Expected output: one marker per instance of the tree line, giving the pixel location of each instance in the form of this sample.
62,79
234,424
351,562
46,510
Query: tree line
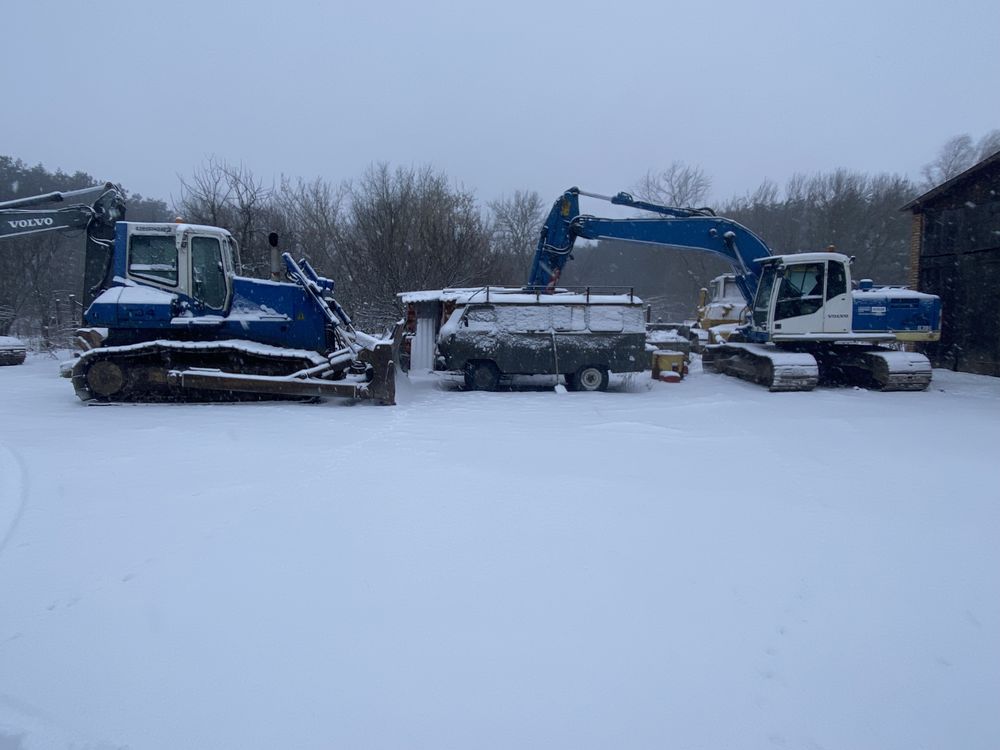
408,228
853,212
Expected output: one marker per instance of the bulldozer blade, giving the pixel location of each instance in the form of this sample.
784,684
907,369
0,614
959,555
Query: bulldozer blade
217,380
382,386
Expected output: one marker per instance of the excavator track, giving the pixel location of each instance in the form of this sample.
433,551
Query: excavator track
166,370
777,370
875,368
863,366
900,371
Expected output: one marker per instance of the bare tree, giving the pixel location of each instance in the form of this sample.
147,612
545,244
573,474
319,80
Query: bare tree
45,274
857,214
308,216
988,145
955,156
19,260
958,154
677,185
516,222
387,232
230,196
683,186
206,198
250,203
409,229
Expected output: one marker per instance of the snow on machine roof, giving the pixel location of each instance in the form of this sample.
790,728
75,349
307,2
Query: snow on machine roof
511,296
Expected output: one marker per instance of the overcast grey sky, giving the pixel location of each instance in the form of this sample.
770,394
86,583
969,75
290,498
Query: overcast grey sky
500,96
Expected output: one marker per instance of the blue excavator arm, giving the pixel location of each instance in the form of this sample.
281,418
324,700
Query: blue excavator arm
684,228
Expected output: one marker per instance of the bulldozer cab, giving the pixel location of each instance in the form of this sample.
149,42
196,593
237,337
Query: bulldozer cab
194,261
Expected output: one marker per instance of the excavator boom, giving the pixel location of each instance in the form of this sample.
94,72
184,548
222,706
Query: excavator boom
683,228
96,208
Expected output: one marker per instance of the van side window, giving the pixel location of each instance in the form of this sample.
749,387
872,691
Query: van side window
480,316
569,317
635,320
605,319
525,318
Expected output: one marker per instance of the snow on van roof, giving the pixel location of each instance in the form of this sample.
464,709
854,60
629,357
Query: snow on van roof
509,295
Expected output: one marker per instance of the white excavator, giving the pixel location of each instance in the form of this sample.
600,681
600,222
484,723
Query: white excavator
808,322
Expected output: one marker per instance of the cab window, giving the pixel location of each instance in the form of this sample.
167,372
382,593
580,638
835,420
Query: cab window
153,257
801,291
762,302
836,280
233,254
208,277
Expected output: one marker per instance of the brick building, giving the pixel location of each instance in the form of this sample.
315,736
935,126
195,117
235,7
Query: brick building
955,254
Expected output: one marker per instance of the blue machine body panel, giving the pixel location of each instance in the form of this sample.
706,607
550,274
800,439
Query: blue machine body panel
119,258
900,311
277,313
132,307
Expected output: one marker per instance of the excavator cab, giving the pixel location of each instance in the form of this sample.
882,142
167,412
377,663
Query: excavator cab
803,295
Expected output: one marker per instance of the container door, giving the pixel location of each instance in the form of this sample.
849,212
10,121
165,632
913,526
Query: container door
422,346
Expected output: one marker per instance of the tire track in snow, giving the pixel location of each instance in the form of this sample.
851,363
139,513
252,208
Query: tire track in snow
13,494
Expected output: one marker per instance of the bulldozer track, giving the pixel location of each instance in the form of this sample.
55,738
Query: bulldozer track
141,372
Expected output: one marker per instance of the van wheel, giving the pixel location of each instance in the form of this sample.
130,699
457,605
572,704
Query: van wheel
482,376
590,378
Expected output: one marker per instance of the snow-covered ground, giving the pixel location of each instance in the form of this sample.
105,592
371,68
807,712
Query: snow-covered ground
694,565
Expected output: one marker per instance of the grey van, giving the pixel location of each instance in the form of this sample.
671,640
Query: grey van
581,337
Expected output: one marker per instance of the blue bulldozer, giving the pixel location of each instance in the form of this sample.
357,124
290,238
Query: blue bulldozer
168,317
